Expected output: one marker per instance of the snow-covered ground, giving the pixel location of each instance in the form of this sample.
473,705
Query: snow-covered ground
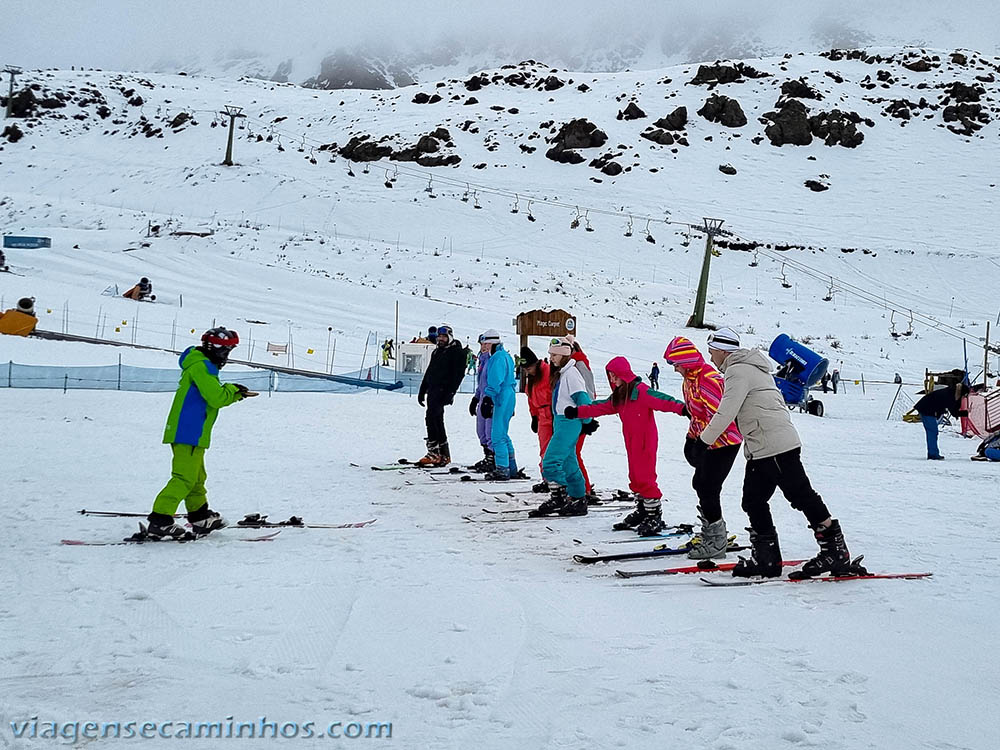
463,633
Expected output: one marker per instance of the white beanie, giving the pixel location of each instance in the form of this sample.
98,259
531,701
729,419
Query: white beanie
725,340
490,337
561,346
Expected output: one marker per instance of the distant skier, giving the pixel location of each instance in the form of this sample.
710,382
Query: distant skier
437,390
635,403
484,425
835,379
539,390
141,292
774,460
497,405
196,405
560,465
470,360
703,389
3,262
933,406
654,377
386,352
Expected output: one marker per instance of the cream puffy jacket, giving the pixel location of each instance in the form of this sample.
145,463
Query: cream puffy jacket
751,398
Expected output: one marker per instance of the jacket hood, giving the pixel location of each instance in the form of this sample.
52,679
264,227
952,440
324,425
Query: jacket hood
753,357
683,353
191,356
621,368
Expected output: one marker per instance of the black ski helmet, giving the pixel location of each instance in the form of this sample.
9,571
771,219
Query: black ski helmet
217,343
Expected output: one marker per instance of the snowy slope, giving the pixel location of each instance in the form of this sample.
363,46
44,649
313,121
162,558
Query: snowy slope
457,632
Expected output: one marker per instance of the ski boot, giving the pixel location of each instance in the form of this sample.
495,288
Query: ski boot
594,499
519,474
498,475
712,542
833,558
162,528
556,501
444,454
652,523
574,506
765,558
205,520
433,457
541,487
633,519
487,463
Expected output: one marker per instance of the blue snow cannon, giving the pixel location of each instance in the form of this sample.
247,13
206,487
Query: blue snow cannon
799,369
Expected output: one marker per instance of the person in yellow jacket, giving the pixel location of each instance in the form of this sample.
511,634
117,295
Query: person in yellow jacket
19,321
196,405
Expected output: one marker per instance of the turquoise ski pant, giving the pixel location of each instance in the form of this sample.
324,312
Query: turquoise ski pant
502,445
559,465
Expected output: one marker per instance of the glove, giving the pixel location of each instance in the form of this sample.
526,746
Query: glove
684,411
534,425
486,407
450,401
698,451
420,399
244,391
570,412
590,428
963,412
472,406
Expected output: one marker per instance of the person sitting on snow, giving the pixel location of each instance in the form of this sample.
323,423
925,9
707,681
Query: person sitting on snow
141,292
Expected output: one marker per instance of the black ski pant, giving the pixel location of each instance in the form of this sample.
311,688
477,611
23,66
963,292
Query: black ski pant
436,434
709,475
765,475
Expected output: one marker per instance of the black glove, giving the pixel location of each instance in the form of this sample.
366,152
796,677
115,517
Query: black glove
534,425
472,405
486,407
244,391
420,399
684,411
570,412
450,400
698,451
590,427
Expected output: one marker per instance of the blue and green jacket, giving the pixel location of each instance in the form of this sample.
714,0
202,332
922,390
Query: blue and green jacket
196,404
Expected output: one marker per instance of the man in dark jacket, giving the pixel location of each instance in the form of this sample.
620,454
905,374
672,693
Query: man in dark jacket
437,390
933,406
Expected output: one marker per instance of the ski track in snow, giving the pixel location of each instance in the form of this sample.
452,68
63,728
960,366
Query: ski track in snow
463,633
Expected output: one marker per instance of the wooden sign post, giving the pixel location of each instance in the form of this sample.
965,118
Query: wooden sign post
547,323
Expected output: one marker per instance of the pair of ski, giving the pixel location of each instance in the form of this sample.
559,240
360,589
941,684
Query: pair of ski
707,566
250,521
659,551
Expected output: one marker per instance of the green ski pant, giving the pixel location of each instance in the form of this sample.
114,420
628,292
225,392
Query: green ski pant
187,481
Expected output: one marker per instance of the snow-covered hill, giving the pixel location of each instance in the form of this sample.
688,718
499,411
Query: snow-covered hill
462,633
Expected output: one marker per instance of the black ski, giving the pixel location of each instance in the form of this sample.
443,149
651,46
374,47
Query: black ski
659,551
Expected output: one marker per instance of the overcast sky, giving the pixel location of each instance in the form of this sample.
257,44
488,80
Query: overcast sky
133,35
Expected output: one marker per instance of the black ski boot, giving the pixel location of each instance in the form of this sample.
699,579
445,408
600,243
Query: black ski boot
574,506
498,475
633,519
519,474
541,487
765,558
556,501
488,462
833,558
651,524
162,527
594,499
205,520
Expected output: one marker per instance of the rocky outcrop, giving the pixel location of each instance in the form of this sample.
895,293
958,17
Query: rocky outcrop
727,169
970,116
607,165
631,112
575,134
723,110
799,89
362,148
345,71
712,75
658,135
837,128
790,123
676,120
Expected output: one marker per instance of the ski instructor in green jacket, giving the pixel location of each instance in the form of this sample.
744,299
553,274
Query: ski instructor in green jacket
196,404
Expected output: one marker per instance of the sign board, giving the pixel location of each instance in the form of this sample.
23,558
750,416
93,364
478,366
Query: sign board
26,243
545,323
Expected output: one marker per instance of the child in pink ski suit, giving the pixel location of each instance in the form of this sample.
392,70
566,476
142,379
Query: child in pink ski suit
635,402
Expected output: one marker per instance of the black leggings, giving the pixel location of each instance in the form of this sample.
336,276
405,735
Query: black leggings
436,434
785,470
709,476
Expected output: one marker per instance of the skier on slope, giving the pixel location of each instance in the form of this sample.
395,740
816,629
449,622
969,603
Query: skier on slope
703,388
195,407
470,361
499,397
654,377
590,428
773,451
437,390
484,426
539,390
635,402
560,465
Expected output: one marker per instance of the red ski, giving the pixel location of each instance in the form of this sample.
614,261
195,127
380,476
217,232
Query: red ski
828,579
702,567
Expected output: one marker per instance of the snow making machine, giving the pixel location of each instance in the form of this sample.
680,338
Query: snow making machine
800,368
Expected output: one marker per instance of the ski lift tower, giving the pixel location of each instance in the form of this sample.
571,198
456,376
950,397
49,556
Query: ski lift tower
711,228
12,71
